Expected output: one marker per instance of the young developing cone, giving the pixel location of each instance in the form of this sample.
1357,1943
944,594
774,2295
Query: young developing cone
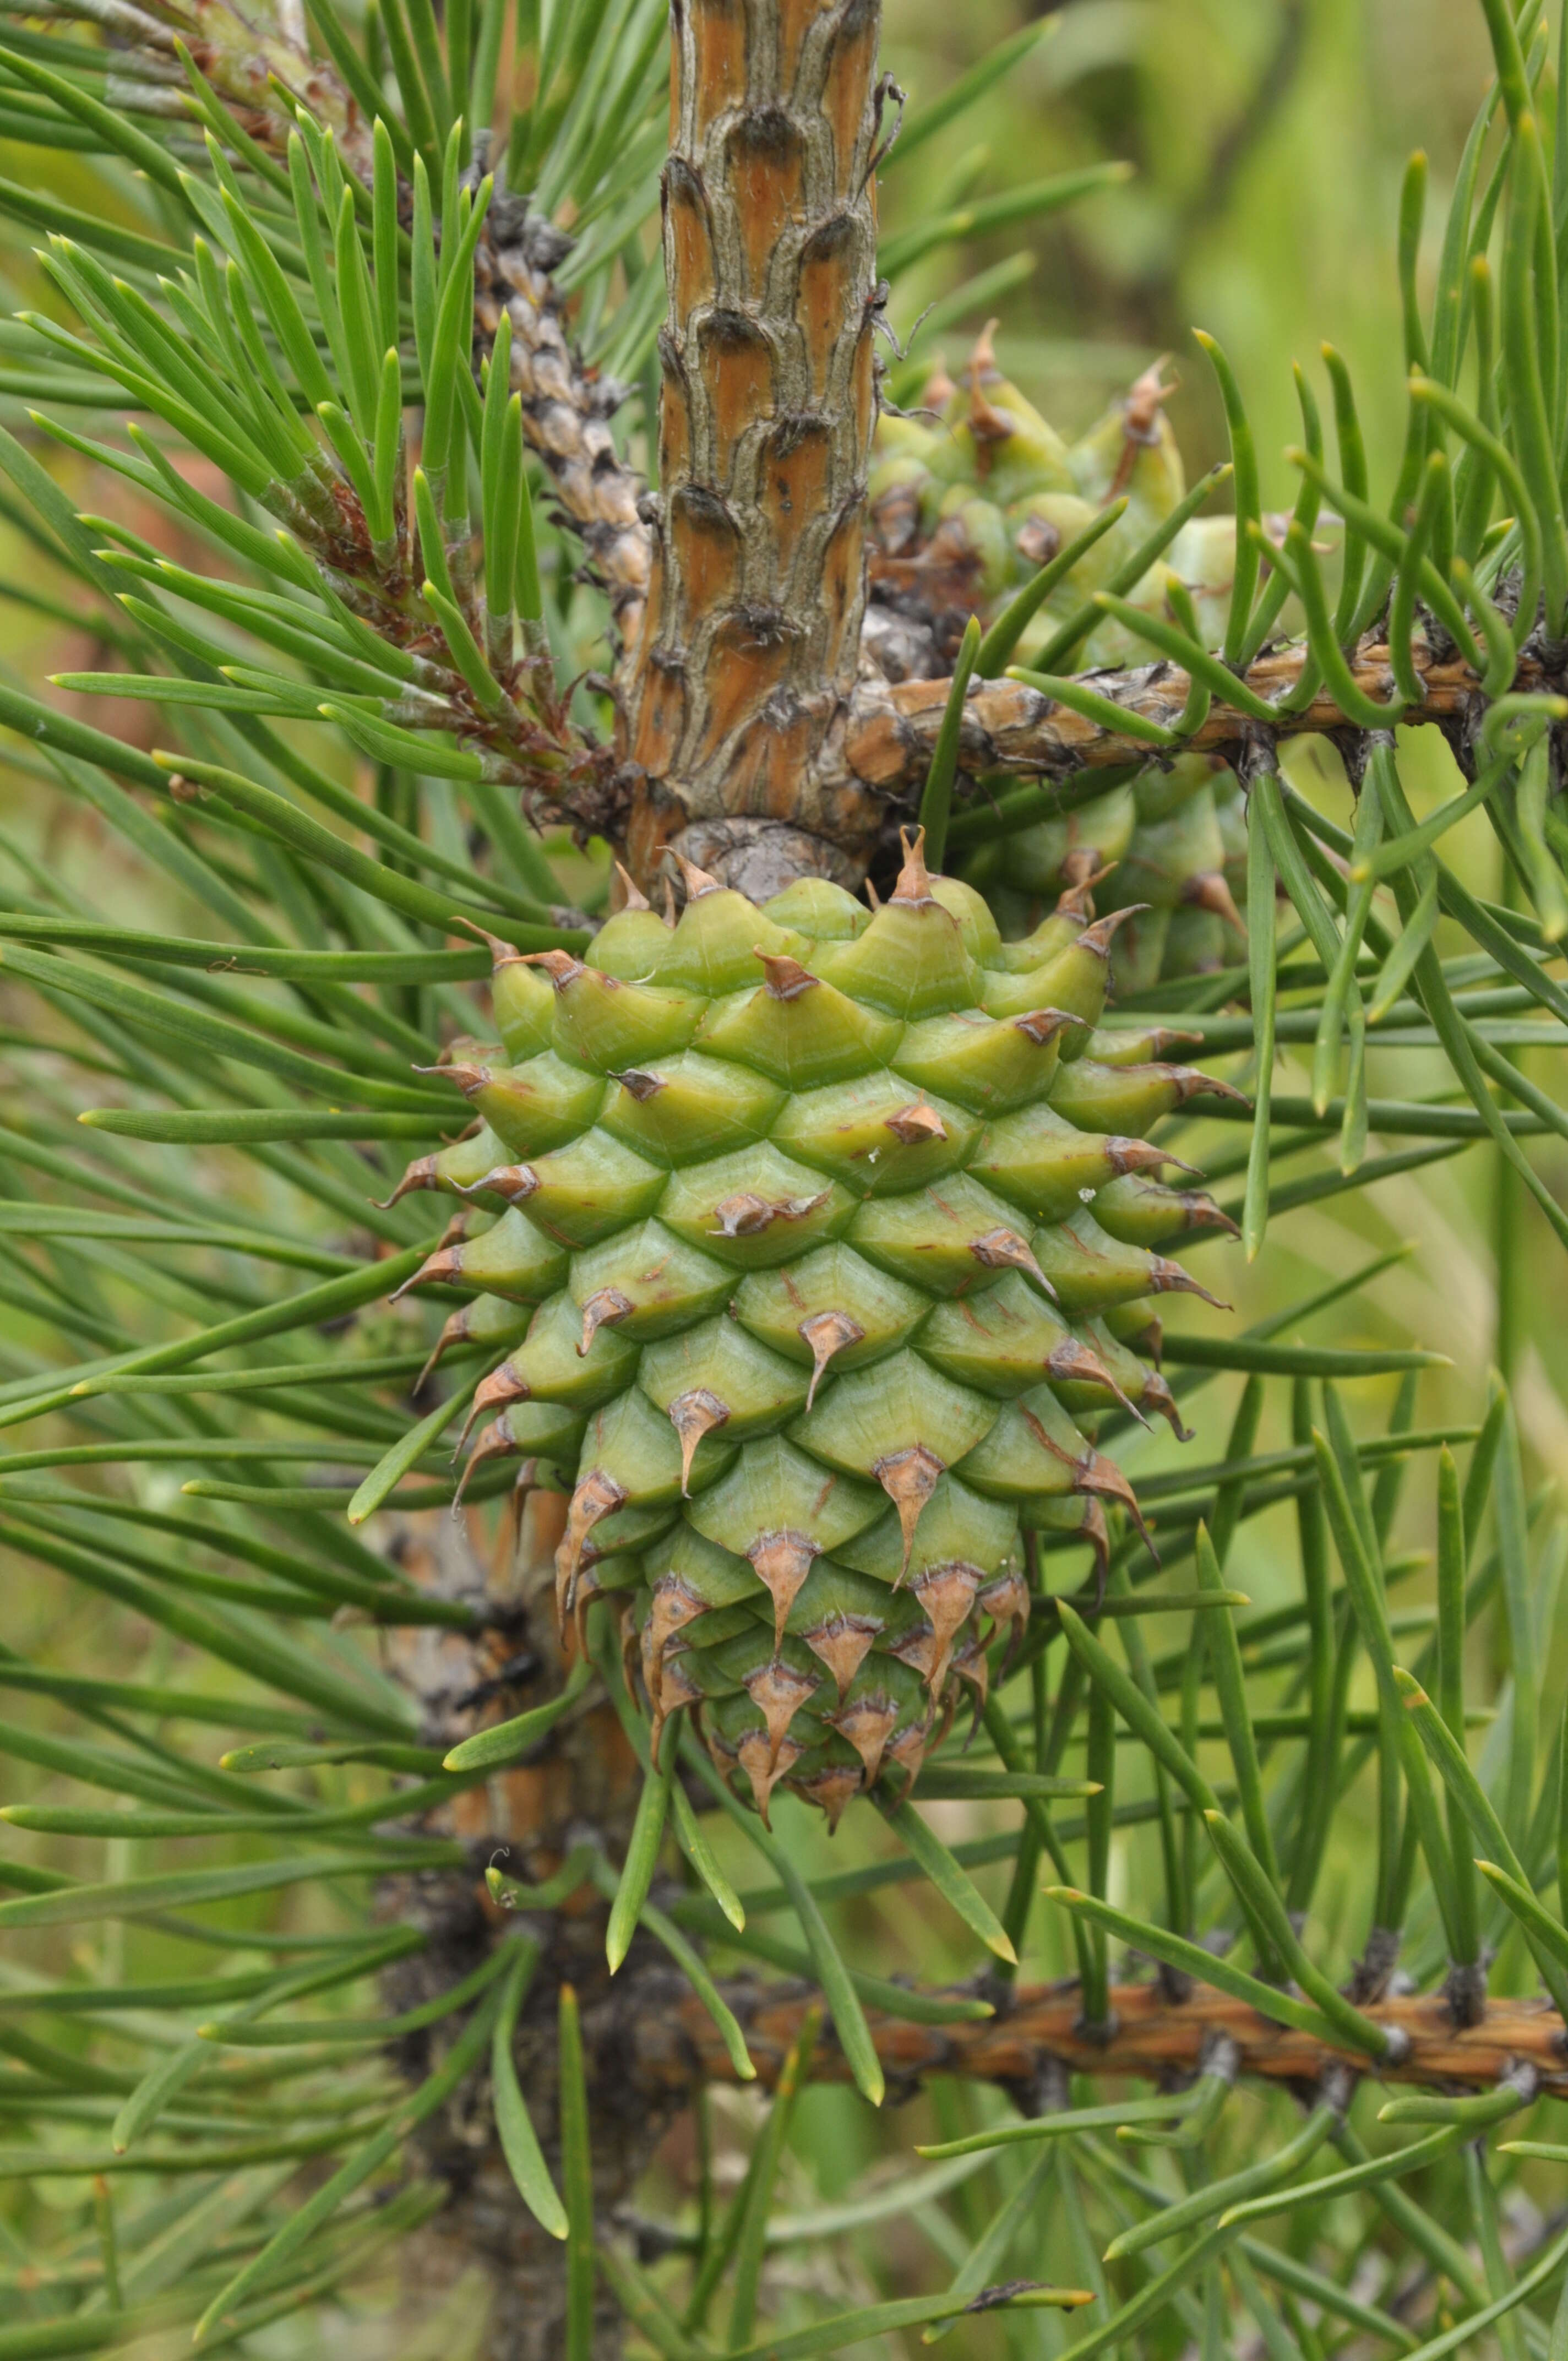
819,1222
1159,1396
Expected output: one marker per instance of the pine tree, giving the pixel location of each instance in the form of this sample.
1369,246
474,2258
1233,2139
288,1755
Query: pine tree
798,1279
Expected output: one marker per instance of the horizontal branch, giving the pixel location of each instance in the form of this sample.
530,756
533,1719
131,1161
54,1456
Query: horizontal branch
891,726
1151,2035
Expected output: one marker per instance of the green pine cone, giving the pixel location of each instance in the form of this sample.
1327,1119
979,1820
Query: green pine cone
968,499
819,1281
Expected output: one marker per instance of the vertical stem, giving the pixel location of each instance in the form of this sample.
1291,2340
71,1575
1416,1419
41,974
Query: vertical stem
768,403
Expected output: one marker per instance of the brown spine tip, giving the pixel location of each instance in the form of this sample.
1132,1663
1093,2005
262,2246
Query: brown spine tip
913,879
632,897
778,1692
1145,397
445,1263
830,1789
513,1181
1126,1155
1006,1600
454,1332
745,1214
1102,1479
596,1497
697,881
1166,1278
1099,936
602,1308
1076,1364
826,1333
785,978
1085,871
938,388
559,966
502,954
868,1724
909,1479
947,1594
980,367
1158,1397
1041,1026
764,1768
1193,1084
422,1173
497,1443
1203,1213
843,1642
907,1751
503,1387
912,1126
468,1076
693,1415
675,1605
1006,1250
1209,891
782,1560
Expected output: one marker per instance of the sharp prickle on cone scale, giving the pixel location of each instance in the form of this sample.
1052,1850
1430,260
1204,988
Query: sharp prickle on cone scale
797,1293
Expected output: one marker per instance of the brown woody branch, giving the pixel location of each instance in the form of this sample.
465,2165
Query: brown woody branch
1151,2036
892,726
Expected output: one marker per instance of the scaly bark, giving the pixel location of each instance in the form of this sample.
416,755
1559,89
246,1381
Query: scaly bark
742,678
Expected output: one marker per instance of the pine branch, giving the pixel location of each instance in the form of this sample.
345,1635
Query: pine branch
1151,2036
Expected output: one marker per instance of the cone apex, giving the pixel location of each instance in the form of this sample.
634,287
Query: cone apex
913,879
